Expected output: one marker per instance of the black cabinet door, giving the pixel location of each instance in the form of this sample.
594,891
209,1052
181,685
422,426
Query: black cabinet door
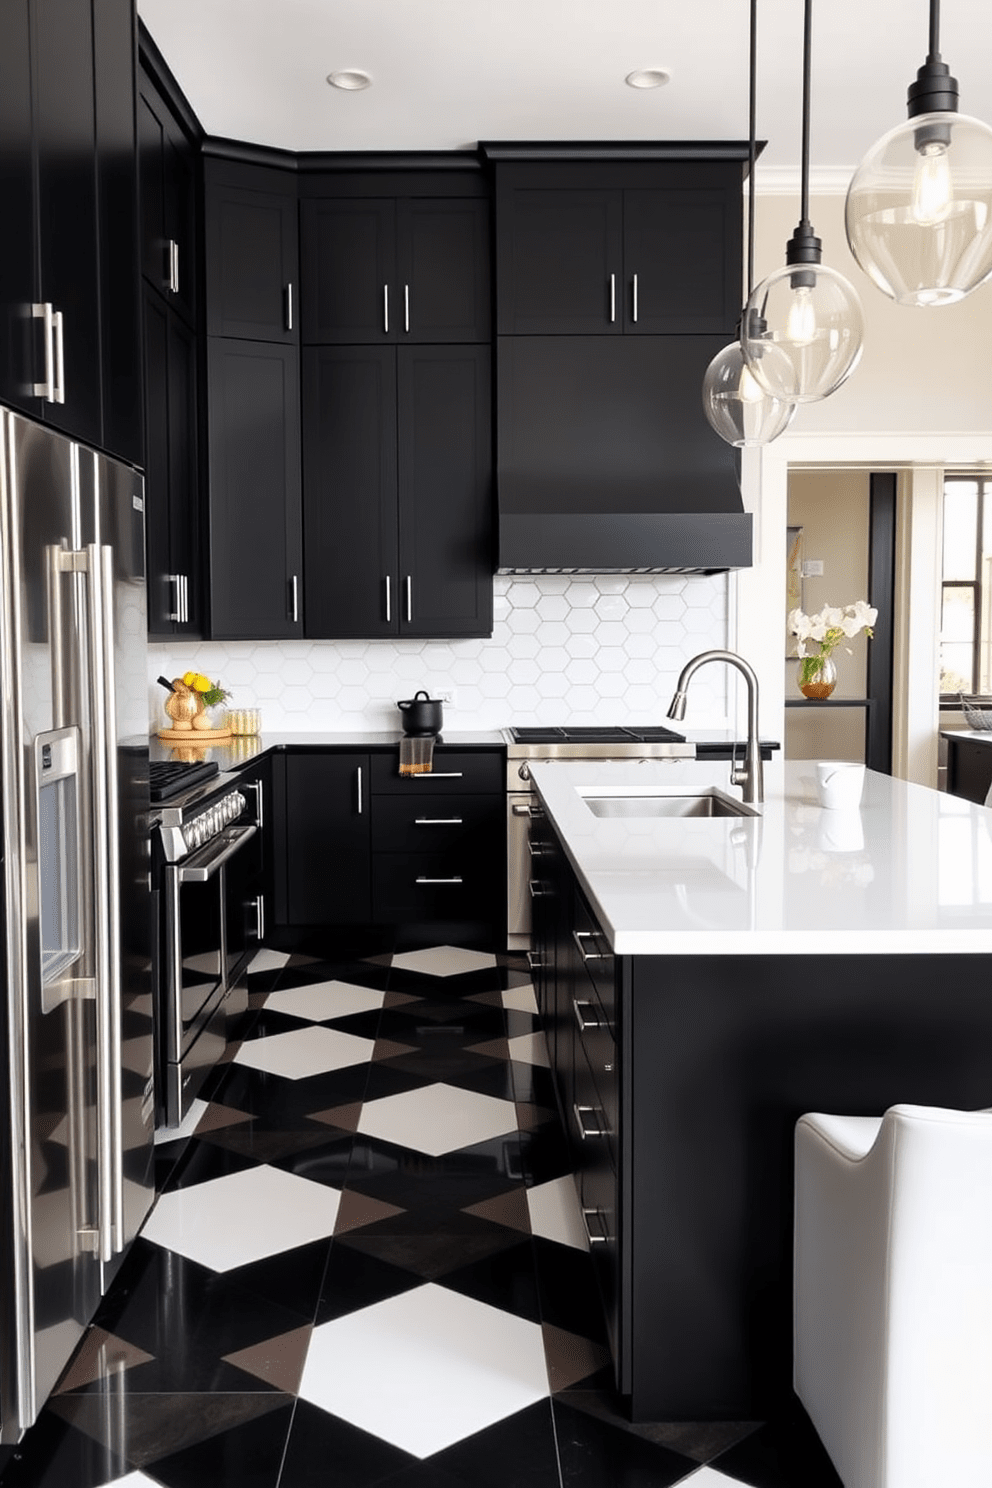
560,262
327,856
443,282
682,254
349,491
445,497
348,271
65,137
172,523
167,173
18,263
117,189
254,460
252,281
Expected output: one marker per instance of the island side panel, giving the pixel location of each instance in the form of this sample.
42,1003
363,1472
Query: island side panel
724,1054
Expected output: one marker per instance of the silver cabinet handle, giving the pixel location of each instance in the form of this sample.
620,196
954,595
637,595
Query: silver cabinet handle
602,1235
259,789
294,599
173,254
406,308
537,849
456,880
634,301
289,306
535,961
613,298
437,821
177,613
385,309
59,358
590,1113
184,598
358,783
538,890
46,388
389,599
579,936
536,813
408,583
201,866
519,810
260,917
437,775
577,1005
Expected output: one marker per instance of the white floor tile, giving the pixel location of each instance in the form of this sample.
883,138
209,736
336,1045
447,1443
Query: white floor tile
709,1477
521,998
529,1048
186,1127
425,1369
133,1480
305,1052
231,1221
439,1118
266,960
554,1213
322,1002
444,961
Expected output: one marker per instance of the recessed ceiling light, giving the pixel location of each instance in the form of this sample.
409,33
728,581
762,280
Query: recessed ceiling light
648,77
352,80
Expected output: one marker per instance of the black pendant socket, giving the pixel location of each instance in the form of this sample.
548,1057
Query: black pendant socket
934,92
804,247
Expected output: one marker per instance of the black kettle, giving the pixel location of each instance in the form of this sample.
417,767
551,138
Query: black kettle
421,714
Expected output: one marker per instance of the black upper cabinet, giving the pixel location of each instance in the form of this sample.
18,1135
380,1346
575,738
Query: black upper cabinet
252,277
172,514
397,491
255,518
168,173
397,269
72,351
579,258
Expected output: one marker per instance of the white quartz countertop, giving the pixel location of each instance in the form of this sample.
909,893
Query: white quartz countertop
909,870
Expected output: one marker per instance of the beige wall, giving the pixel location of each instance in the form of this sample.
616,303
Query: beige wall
831,506
921,370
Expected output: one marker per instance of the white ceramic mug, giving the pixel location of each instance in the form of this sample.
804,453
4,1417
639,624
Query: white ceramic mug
839,784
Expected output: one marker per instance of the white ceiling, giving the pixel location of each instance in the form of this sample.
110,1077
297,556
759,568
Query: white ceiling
448,73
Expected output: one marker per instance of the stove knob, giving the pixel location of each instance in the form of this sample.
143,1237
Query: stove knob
523,771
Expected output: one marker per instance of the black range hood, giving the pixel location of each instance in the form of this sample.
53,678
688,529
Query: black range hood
606,462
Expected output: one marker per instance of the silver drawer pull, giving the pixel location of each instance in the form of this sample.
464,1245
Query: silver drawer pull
437,821
599,1130
536,812
519,810
456,880
538,890
584,1023
438,775
579,936
535,961
537,849
602,1234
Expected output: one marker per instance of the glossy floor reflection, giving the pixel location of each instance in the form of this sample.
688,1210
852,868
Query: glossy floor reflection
367,1267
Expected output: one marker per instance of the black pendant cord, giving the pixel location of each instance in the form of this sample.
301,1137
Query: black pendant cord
934,53
807,69
751,143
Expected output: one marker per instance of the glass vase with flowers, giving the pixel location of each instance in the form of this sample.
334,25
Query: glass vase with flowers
818,636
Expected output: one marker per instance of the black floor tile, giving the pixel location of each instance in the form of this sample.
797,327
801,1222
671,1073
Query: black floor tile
141,1429
595,1454
518,1452
354,1279
325,1452
568,1289
249,1455
504,1278
55,1455
782,1453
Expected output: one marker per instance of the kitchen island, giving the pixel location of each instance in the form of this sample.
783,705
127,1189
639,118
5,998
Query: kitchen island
706,980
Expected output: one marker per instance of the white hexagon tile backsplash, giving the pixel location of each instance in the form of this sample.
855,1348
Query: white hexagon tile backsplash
603,649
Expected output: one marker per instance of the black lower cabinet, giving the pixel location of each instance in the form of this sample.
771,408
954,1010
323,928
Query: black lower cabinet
359,844
969,769
681,1079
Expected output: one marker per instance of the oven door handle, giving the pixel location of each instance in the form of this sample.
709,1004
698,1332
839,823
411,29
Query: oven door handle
203,865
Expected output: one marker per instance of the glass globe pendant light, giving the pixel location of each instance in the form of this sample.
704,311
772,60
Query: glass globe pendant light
808,313
740,410
919,206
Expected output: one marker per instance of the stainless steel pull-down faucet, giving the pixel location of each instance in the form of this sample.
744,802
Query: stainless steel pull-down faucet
751,778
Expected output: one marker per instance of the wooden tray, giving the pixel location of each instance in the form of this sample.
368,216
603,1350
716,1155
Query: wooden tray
194,736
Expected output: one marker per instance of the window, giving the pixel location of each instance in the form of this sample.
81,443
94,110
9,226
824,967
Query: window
966,588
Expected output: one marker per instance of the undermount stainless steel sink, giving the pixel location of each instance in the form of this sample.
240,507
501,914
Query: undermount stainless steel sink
702,803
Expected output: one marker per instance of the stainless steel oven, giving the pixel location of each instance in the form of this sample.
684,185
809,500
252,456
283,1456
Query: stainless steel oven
210,918
525,746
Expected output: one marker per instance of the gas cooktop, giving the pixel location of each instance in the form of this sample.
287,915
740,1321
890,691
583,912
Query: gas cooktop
650,741
595,735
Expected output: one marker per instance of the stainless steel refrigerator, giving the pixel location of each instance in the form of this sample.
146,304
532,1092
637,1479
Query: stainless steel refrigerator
76,1013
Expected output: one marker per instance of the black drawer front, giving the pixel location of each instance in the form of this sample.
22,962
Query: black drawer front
597,957
592,1126
404,823
594,1040
422,886
475,771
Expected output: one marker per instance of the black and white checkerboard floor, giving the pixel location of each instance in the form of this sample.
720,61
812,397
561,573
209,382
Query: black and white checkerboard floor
367,1268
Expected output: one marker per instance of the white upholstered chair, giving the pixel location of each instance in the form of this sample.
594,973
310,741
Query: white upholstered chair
893,1294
